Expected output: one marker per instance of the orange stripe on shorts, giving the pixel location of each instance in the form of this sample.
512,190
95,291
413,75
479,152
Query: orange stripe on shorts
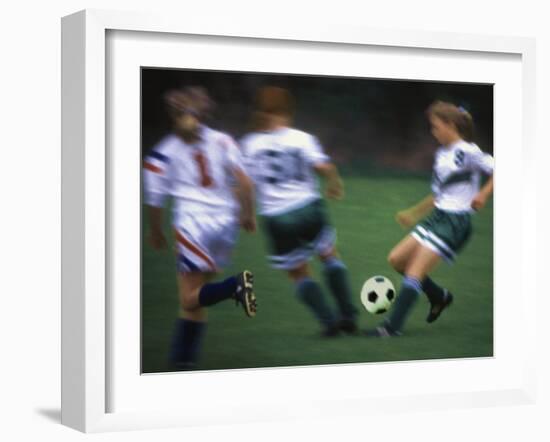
183,241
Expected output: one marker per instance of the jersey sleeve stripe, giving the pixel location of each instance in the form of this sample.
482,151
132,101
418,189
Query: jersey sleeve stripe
194,249
159,156
152,168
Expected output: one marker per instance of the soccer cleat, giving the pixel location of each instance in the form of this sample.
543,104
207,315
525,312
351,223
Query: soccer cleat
348,326
244,294
437,308
382,331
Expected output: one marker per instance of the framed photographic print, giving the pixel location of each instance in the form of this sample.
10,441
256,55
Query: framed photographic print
330,130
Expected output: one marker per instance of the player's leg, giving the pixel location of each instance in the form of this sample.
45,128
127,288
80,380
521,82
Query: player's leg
438,296
401,254
423,262
205,247
191,323
420,264
446,234
337,278
309,292
314,230
290,252
196,293
238,287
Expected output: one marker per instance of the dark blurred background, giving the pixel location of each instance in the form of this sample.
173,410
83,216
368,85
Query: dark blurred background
372,125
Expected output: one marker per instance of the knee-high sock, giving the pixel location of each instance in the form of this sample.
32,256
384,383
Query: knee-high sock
434,292
310,293
410,288
186,342
215,292
337,277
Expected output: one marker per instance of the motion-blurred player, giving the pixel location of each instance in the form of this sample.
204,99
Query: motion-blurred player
284,163
456,194
202,170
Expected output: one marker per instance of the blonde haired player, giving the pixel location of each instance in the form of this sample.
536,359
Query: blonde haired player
201,170
284,163
459,164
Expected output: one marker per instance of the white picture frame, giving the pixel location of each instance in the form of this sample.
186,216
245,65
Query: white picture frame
86,353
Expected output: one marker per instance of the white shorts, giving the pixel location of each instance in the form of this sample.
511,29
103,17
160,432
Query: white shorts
204,242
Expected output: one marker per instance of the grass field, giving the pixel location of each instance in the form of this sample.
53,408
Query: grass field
285,334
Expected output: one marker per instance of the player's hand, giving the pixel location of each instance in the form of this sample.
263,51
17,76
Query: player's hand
405,219
249,224
335,189
479,201
157,240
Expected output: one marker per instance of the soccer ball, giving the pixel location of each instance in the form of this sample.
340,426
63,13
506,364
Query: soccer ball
377,294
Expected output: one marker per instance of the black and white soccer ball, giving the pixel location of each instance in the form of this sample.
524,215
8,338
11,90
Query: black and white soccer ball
377,294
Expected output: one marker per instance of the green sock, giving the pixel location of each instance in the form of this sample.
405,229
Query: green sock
410,288
336,274
310,293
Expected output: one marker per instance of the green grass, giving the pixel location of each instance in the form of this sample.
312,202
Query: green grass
285,334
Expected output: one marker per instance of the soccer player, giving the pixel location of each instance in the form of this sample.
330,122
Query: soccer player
456,194
201,170
284,163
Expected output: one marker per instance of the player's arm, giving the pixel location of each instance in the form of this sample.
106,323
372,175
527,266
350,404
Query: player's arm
484,163
483,195
245,195
244,189
334,185
156,236
409,217
156,186
321,164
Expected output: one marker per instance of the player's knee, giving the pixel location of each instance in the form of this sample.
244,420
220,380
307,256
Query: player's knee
299,273
188,304
193,314
328,255
396,261
189,301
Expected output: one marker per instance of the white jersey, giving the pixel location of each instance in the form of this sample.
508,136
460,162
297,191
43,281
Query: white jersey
281,164
457,175
199,176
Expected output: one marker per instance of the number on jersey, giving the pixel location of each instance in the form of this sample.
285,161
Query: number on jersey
283,166
202,164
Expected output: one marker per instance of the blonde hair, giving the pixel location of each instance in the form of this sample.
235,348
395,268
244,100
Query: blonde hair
452,114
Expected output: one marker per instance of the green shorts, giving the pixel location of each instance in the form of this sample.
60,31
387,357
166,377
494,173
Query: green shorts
446,233
294,237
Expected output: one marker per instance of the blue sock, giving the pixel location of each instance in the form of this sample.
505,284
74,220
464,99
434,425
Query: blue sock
310,293
215,292
186,342
410,288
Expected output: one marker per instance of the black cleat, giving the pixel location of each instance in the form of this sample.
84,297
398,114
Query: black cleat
382,331
245,293
348,326
437,308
